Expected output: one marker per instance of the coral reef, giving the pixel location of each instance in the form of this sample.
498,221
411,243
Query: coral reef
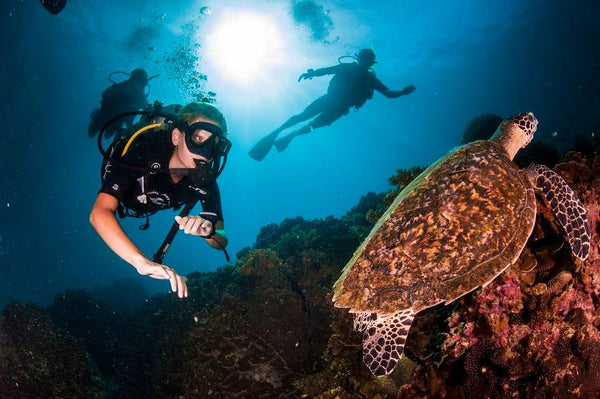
249,330
275,325
265,327
91,321
40,360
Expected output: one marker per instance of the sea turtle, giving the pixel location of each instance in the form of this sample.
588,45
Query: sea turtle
457,226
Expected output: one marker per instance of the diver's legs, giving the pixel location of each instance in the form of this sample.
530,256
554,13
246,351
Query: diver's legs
291,122
262,148
282,143
314,108
326,118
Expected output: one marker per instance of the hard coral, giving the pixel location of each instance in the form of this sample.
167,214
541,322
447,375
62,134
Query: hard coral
271,328
225,357
258,262
39,360
91,321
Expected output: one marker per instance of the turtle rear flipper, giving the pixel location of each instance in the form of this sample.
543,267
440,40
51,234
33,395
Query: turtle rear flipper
384,339
569,211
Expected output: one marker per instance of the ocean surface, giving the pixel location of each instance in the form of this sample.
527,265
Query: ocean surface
465,58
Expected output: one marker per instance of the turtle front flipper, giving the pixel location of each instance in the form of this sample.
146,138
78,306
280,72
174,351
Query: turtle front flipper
569,211
383,339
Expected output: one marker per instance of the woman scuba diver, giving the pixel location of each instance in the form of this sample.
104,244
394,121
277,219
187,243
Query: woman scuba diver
174,163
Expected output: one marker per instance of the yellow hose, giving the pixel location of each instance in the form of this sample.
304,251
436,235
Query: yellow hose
134,136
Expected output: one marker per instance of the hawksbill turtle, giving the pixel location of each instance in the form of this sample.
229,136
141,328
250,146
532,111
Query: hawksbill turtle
455,228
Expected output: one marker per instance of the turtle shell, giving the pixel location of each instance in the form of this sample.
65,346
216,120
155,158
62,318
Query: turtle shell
455,228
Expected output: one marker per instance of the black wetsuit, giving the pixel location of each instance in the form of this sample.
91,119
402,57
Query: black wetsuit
351,86
141,193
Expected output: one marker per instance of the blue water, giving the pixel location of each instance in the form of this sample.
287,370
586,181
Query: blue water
464,57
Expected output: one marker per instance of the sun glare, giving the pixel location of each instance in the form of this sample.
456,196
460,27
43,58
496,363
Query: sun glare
243,45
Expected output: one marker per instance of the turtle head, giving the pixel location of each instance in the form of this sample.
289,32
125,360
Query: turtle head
515,132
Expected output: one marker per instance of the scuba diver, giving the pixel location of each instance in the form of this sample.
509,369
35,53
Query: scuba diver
168,164
120,97
351,86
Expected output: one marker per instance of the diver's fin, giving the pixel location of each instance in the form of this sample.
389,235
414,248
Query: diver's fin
282,143
262,148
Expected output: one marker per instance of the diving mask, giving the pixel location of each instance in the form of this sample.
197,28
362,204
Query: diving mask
215,145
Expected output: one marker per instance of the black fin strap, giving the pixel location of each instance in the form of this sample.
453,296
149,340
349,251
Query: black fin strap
160,254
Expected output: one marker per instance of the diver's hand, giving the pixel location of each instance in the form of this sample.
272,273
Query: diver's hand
162,272
306,75
196,226
408,90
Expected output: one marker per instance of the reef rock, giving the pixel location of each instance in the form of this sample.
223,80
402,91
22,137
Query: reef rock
40,360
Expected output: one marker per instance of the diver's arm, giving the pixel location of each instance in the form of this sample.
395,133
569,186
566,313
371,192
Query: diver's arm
310,73
380,87
397,93
104,221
